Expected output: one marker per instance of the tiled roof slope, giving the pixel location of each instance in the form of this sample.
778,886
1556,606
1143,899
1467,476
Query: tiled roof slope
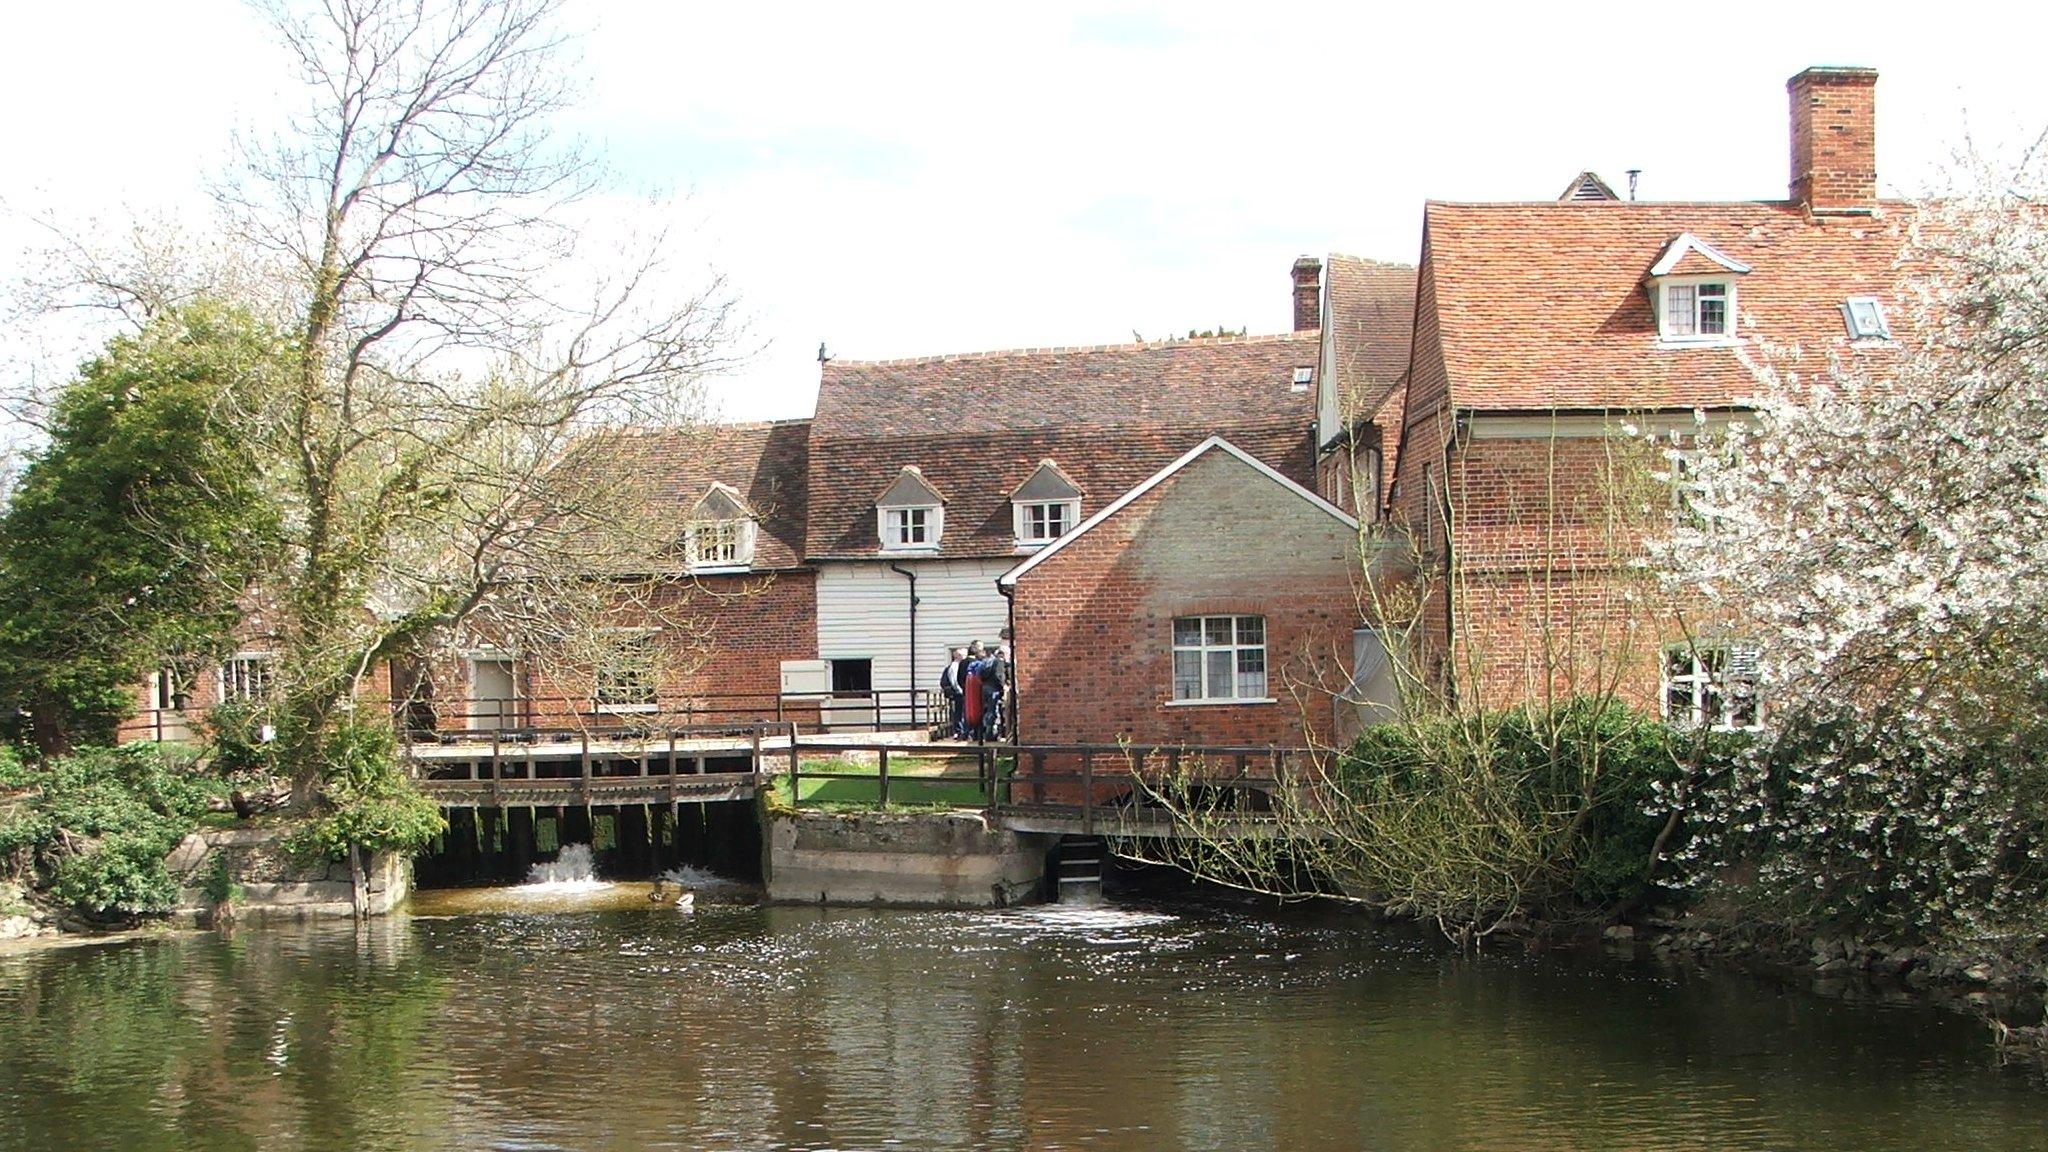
1175,382
1371,316
767,463
978,471
1542,305
979,425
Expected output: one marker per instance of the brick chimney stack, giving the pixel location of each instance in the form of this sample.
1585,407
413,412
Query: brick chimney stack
1834,139
1308,284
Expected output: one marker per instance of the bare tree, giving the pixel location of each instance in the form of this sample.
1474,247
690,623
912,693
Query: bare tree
465,354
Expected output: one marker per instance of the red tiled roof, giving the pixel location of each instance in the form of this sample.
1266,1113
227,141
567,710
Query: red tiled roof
1371,317
978,472
767,463
1175,382
979,425
1542,305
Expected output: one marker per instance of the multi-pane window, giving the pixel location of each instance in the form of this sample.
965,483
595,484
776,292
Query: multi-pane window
1712,686
625,678
1696,309
246,677
718,543
907,527
1048,520
1219,658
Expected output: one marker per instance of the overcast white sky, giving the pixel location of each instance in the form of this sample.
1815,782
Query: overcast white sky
899,180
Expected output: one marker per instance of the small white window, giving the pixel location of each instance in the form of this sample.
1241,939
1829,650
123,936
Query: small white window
1697,310
1039,522
1219,658
908,528
1303,377
1712,686
246,677
716,544
1865,317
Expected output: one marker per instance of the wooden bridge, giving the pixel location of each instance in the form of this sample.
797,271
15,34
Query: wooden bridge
1076,789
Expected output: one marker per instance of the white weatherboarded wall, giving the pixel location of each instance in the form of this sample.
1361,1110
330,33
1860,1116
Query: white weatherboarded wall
864,612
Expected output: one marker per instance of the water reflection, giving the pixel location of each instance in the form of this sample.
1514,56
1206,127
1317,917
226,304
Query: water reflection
631,1026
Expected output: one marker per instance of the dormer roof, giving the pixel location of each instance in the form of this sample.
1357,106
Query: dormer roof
910,490
721,501
1046,483
1688,255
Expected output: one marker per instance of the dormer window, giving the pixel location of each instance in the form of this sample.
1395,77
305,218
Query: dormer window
719,534
1046,506
1692,292
1696,309
910,516
1865,318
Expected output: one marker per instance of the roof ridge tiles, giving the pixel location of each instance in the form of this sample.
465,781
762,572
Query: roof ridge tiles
1134,346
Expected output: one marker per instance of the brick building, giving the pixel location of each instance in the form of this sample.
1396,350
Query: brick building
1541,329
1210,604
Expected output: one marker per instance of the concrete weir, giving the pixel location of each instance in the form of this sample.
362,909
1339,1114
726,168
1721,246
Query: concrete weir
952,859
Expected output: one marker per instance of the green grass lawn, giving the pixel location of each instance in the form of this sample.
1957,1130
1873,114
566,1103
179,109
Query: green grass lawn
911,785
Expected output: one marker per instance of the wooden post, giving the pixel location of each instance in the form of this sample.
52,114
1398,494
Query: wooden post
882,778
795,763
1087,792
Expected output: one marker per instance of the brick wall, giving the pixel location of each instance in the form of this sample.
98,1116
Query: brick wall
1094,622
722,660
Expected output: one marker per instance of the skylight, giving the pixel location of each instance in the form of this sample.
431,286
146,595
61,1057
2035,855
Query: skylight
1865,318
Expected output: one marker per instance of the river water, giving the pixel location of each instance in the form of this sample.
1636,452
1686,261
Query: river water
606,1020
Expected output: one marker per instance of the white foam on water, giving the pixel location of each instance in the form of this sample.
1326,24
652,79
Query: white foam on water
572,870
1084,918
697,879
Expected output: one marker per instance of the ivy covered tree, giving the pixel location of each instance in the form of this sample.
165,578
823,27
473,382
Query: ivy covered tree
132,532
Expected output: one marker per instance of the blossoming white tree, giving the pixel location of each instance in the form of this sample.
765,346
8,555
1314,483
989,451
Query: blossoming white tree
1880,530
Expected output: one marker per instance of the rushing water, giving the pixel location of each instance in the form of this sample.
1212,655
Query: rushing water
612,1022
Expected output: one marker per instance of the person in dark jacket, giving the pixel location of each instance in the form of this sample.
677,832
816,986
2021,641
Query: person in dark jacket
952,685
995,686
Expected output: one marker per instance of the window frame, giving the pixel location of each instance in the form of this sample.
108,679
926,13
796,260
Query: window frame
934,526
1204,648
1666,285
238,688
652,687
743,531
1706,680
1021,511
1876,306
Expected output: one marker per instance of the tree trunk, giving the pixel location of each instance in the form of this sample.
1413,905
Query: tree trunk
359,882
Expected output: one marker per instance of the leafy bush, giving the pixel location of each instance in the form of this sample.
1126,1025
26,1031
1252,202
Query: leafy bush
1474,817
93,828
369,800
1837,820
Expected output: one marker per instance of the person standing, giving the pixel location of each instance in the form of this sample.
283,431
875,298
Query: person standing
952,687
970,687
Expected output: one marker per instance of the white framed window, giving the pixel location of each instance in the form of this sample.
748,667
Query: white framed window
167,691
624,680
1219,658
1042,521
1865,318
246,676
1712,686
909,529
712,545
1697,310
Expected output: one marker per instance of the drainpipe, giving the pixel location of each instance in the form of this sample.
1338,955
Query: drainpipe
912,577
1016,709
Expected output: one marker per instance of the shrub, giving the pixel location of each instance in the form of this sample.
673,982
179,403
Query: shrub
368,799
93,828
